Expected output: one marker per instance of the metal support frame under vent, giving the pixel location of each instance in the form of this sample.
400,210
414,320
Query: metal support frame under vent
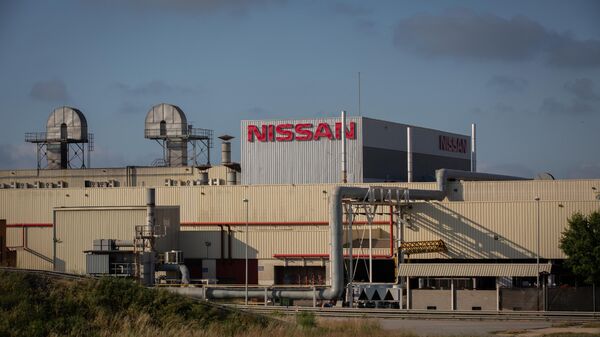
76,149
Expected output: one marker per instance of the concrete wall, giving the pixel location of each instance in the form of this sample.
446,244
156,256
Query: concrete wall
467,299
420,299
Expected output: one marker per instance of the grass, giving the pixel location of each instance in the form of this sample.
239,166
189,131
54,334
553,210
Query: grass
35,305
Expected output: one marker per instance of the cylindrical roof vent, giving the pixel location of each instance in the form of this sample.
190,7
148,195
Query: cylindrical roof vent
226,149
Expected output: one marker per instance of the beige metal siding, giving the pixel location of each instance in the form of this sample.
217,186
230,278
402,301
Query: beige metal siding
471,270
503,209
33,246
77,228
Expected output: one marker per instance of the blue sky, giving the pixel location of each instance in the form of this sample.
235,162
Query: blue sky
527,72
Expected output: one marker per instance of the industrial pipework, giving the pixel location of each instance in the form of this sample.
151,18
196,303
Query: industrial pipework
336,226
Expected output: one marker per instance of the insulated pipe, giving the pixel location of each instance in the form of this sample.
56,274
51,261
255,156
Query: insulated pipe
473,149
337,259
336,234
344,166
181,268
409,163
150,204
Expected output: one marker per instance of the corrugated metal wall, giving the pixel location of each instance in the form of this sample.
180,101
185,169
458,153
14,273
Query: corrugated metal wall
132,176
300,162
77,228
505,210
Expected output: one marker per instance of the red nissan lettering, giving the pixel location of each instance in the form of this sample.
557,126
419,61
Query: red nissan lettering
253,131
284,132
303,131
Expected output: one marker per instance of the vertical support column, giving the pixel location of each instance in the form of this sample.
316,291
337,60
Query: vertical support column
594,296
452,296
266,297
497,295
314,296
351,267
407,293
409,163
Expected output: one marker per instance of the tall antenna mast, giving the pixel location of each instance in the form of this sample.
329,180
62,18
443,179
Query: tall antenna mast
359,94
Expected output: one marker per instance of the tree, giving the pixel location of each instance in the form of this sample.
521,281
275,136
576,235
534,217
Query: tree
581,243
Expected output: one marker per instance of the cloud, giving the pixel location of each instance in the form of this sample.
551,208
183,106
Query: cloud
238,7
128,107
52,90
583,99
153,88
507,84
584,171
464,34
348,9
17,156
551,105
582,88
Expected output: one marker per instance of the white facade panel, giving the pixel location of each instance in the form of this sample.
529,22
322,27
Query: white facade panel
296,161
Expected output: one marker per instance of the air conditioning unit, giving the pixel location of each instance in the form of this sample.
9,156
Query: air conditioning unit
48,185
167,182
214,181
13,184
110,183
61,184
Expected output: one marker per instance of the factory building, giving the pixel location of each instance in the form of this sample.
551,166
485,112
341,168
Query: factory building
454,229
309,151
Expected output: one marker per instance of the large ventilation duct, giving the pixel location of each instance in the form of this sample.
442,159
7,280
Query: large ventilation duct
65,125
336,234
168,123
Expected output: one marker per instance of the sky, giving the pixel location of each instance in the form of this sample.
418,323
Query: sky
526,72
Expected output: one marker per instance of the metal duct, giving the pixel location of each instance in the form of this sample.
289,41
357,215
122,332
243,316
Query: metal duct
443,175
336,234
181,268
231,177
150,205
225,152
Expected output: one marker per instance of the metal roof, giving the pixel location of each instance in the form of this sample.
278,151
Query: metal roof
472,269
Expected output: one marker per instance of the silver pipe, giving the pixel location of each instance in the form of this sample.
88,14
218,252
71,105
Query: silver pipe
150,205
336,234
409,163
124,243
336,258
473,149
344,166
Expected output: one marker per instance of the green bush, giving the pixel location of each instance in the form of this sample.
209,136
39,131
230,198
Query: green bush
34,305
306,319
